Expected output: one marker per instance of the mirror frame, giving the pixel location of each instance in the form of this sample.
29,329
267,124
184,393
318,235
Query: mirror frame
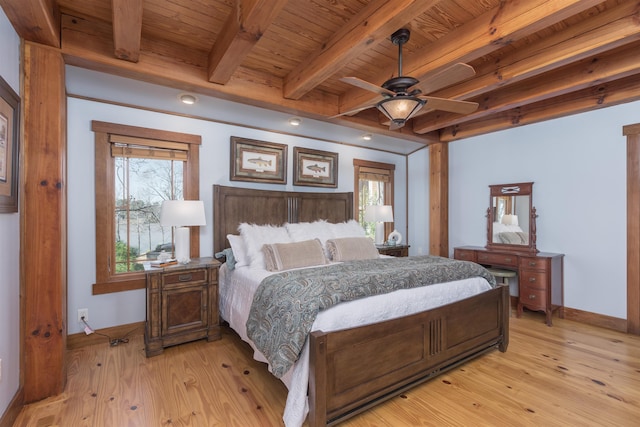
518,189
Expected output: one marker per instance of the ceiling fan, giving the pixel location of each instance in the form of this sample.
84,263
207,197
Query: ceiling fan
401,97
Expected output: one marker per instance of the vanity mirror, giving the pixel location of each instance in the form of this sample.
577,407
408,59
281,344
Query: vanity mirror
511,217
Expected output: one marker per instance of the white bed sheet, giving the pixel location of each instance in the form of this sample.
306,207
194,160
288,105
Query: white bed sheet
236,295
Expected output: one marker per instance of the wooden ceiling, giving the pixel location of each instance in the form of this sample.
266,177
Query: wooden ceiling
534,59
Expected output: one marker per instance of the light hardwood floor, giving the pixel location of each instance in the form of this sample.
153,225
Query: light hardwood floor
570,374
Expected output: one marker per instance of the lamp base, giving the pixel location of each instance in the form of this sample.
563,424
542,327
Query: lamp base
379,233
183,244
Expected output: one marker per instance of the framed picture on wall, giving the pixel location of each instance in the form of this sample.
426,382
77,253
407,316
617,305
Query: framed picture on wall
315,168
9,129
258,161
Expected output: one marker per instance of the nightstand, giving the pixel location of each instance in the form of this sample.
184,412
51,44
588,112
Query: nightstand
393,250
182,304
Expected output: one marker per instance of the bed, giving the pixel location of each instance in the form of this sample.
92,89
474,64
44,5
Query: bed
353,367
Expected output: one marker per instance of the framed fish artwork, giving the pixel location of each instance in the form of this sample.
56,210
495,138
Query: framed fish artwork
315,168
9,131
258,161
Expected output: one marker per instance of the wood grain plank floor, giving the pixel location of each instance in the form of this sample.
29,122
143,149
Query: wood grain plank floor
570,374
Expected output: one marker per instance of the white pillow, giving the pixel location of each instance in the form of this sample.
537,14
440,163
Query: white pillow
256,236
302,231
351,228
239,250
323,231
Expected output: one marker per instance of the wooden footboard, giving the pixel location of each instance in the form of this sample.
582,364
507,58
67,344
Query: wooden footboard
354,369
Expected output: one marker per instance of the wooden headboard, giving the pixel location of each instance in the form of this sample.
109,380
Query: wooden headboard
232,206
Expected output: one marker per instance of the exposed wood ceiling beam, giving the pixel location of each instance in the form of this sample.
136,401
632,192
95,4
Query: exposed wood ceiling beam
127,28
608,30
34,20
242,30
604,95
375,23
485,34
88,44
615,64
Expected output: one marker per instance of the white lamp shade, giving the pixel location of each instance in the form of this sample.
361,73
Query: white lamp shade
510,219
378,213
182,213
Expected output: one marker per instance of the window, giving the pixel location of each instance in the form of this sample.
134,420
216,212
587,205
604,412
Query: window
136,169
373,186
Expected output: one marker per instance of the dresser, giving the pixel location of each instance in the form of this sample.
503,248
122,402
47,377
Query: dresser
540,275
182,304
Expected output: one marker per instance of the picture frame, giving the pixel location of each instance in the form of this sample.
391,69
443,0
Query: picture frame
315,168
258,161
9,149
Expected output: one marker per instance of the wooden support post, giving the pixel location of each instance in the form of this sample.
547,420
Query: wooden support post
439,199
633,228
43,223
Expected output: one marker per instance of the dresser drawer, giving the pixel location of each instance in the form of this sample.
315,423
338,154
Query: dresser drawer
497,259
533,279
533,263
533,298
184,278
464,255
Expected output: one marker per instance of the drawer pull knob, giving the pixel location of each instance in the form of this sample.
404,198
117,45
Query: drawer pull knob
184,277
507,259
532,296
532,263
532,279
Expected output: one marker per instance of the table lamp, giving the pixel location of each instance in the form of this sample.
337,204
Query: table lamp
182,214
379,214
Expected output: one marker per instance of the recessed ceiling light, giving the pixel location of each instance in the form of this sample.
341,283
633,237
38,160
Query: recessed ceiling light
188,99
367,137
295,121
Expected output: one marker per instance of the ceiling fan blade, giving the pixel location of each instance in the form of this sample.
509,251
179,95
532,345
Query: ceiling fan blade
362,84
450,105
452,75
353,111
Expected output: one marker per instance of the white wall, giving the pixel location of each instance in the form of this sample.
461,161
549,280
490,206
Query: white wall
9,243
418,206
578,166
128,307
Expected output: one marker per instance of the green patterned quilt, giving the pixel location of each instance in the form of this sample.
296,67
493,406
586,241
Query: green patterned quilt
285,304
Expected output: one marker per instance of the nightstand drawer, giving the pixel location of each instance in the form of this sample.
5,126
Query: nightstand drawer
182,278
497,259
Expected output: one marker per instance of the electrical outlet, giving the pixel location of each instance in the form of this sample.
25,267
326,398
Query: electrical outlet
83,312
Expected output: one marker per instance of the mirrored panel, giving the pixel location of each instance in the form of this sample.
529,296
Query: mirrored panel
511,217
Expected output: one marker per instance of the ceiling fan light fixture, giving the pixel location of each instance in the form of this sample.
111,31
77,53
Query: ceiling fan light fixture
400,108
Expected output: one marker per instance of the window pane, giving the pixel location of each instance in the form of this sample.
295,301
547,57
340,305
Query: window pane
140,187
370,193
